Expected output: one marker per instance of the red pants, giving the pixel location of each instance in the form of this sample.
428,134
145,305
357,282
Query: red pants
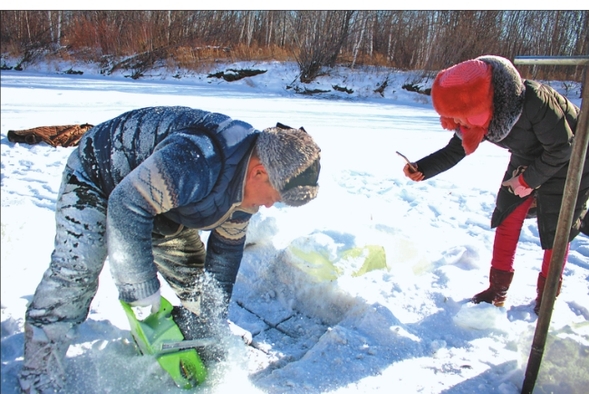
507,237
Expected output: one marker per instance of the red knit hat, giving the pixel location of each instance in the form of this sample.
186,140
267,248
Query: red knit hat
464,91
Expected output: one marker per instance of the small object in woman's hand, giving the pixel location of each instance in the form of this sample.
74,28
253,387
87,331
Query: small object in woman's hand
408,162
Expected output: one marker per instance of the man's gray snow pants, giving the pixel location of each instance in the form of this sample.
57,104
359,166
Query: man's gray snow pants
62,299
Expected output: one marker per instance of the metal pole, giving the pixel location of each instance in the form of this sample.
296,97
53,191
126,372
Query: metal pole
552,60
565,219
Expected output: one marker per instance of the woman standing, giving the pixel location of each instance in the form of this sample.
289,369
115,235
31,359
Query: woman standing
486,99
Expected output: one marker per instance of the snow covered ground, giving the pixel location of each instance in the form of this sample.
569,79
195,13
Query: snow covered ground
322,322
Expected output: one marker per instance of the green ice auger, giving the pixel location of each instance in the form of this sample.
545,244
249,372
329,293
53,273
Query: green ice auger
160,336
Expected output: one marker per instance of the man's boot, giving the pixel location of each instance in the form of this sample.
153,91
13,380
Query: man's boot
540,291
45,348
496,294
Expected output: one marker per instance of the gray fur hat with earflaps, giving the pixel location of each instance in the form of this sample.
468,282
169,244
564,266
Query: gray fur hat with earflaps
291,158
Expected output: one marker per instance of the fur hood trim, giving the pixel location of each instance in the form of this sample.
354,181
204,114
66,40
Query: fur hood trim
508,97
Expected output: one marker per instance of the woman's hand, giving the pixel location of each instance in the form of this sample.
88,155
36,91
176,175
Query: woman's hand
517,186
410,170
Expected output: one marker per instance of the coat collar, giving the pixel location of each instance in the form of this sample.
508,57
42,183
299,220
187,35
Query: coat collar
508,97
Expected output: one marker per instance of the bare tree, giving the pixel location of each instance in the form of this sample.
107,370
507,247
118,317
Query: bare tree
319,36
363,20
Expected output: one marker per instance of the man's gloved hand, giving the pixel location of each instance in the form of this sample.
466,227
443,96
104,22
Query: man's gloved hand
517,185
153,300
411,172
193,306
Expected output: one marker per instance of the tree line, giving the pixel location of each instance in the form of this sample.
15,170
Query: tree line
316,40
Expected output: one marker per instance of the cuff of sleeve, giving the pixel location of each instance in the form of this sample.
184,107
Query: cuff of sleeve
523,182
137,291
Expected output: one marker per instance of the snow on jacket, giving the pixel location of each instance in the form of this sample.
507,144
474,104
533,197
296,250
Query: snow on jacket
162,168
536,124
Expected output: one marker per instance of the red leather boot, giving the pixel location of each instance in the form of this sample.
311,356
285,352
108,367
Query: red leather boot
544,274
499,282
540,291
